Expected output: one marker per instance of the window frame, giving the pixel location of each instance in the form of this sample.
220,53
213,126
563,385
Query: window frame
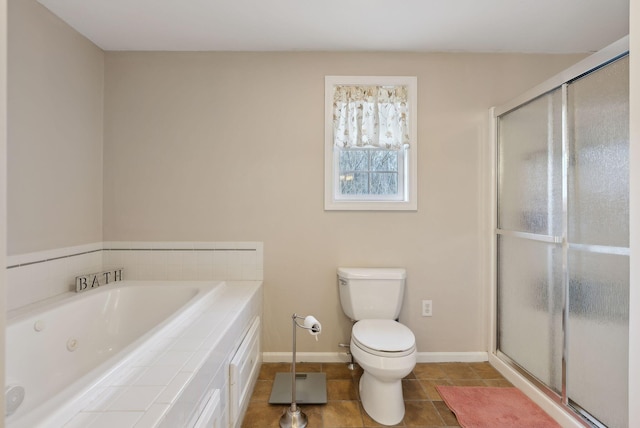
333,199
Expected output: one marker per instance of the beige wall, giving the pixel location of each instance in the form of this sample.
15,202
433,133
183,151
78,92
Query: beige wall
229,146
55,106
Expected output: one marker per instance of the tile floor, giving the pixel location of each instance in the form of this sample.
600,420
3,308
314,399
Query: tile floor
424,406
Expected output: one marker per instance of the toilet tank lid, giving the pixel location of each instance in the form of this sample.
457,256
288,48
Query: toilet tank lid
372,273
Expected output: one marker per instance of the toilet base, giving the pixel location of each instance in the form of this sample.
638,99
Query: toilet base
382,400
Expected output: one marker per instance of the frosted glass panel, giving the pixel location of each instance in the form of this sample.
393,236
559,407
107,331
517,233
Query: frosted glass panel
589,265
530,173
599,157
598,330
530,307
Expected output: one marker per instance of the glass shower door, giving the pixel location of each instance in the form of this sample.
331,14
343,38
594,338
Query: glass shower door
563,242
530,229
598,243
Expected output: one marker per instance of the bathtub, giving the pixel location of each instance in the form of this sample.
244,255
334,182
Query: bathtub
75,357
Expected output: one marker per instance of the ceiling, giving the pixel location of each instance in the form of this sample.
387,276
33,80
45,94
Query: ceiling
541,26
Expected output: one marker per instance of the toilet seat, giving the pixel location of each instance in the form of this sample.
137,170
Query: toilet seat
385,338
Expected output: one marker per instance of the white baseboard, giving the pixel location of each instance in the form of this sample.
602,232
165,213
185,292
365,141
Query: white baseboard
305,357
452,357
341,357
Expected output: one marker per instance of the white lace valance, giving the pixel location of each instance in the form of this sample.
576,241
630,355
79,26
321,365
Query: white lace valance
370,116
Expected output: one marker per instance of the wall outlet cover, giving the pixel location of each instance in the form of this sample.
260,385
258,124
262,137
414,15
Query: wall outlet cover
427,308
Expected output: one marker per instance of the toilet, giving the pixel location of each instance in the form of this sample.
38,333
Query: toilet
384,348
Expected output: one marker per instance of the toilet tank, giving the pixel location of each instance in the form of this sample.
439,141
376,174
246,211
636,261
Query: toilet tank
371,293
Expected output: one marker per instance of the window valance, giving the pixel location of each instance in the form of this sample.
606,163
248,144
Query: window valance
370,116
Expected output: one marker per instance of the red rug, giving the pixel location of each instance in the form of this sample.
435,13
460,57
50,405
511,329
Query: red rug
485,407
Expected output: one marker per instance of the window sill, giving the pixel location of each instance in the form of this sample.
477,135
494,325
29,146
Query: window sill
370,206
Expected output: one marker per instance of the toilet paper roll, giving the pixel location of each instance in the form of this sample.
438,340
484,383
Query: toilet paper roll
313,325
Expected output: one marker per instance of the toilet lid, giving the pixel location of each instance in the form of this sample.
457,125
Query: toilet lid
383,335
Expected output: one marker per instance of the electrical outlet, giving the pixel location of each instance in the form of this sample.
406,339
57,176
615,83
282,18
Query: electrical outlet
427,308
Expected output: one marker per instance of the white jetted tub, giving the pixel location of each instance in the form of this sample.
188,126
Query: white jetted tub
71,360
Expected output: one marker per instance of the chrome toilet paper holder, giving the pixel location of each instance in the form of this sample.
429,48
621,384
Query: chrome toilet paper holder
313,386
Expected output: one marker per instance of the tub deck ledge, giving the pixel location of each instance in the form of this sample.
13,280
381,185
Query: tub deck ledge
163,382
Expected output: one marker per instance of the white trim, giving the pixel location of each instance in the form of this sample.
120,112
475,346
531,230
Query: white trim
180,245
57,253
341,357
305,357
410,203
452,357
553,409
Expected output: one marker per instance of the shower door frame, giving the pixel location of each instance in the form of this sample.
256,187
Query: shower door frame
556,405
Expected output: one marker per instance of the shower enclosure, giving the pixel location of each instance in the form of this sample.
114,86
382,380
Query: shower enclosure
562,237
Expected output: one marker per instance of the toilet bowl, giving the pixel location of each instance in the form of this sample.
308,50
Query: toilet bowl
386,351
384,348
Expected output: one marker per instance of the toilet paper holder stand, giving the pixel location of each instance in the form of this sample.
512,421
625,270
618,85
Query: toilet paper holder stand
312,385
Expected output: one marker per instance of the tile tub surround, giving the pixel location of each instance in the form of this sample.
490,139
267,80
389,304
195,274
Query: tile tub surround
232,261
161,383
37,276
424,406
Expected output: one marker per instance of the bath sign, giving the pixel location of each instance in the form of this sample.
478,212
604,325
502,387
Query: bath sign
95,280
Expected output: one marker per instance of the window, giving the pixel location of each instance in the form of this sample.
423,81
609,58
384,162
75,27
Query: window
370,143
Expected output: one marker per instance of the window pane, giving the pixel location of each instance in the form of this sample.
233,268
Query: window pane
384,160
384,183
353,160
356,183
